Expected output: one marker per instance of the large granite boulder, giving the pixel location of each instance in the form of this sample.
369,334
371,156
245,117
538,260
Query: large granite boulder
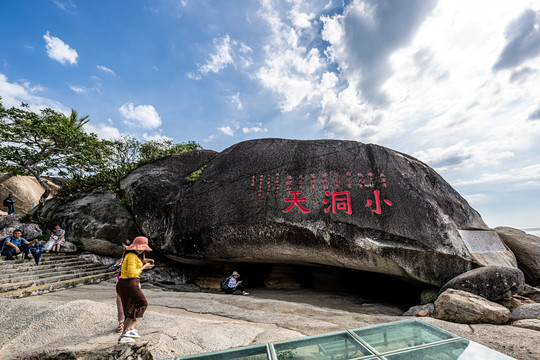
491,282
526,247
337,203
464,307
26,190
94,217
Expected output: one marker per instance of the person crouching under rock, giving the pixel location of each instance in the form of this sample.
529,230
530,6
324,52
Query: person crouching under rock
128,287
235,286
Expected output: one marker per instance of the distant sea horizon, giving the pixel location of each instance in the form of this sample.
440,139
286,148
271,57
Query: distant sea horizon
532,230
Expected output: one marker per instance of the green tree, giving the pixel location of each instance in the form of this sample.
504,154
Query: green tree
126,154
48,143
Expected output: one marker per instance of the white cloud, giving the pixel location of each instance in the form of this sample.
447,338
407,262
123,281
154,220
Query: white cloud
103,130
226,130
14,93
145,116
67,6
60,51
235,99
291,70
254,130
77,89
105,69
226,52
156,137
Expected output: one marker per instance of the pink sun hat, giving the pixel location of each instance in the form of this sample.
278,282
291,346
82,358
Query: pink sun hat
139,243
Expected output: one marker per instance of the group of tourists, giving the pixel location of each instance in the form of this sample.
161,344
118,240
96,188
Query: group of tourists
15,244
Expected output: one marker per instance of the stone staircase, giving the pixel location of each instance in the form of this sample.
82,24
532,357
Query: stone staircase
20,278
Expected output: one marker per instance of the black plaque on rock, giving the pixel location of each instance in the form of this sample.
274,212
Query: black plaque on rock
482,241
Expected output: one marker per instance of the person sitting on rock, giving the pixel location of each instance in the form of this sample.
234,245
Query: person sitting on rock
235,286
60,241
52,240
15,245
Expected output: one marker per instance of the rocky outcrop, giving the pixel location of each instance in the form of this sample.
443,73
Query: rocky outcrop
464,307
420,310
491,282
26,190
9,223
526,247
337,203
93,217
531,292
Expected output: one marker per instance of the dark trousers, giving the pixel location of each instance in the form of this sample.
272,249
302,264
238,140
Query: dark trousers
11,209
238,287
10,252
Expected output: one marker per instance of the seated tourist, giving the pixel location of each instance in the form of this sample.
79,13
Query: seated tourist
235,286
52,240
15,245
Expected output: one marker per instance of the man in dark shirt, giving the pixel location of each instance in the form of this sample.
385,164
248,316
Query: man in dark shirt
16,244
10,202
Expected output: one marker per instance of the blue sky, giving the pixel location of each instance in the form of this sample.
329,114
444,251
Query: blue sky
454,84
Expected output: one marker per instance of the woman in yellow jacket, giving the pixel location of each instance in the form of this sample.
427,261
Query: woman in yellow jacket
128,287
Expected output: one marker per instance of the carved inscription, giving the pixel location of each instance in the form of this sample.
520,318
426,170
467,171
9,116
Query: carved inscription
481,241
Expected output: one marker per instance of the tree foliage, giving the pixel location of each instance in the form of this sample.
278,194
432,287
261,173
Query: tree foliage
48,143
127,154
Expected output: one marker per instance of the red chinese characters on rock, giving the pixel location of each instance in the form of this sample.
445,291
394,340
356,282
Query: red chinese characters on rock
341,200
296,201
378,209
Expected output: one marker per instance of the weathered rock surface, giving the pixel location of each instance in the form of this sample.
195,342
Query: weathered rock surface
420,310
491,282
26,190
527,311
526,247
12,222
531,292
515,301
533,324
93,217
399,216
465,307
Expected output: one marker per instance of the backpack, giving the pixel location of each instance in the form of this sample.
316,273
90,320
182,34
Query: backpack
225,283
5,203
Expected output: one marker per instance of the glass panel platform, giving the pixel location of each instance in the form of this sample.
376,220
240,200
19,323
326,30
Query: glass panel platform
412,339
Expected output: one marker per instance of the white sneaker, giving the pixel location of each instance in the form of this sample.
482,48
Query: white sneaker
131,333
245,293
123,339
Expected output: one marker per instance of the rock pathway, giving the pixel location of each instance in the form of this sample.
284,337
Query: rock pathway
80,322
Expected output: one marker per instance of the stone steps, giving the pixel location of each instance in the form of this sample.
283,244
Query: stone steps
46,273
20,278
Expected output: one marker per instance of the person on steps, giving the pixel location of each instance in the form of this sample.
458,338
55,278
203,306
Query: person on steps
15,245
59,232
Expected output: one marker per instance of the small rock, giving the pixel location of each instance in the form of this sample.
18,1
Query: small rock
420,310
464,307
527,311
